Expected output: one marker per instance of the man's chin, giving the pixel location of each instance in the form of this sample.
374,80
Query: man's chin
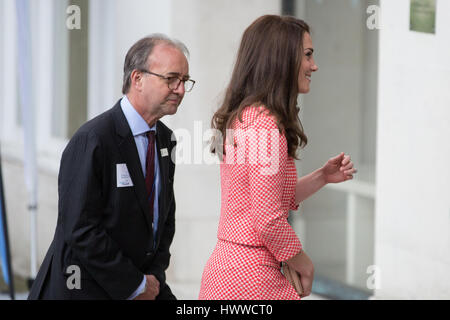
172,109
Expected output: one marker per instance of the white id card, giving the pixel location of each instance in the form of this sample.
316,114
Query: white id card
123,176
164,152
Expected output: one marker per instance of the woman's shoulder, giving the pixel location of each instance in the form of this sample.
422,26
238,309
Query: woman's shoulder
258,117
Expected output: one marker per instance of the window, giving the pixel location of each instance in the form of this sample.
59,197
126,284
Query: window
59,76
70,71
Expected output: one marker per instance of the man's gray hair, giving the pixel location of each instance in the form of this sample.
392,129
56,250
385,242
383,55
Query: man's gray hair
138,54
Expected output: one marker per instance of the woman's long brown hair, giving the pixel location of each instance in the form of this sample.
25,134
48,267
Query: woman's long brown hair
266,73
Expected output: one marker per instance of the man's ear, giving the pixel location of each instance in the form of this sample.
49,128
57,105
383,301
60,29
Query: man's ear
136,79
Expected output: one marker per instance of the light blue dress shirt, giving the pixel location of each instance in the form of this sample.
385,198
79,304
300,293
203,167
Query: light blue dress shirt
139,129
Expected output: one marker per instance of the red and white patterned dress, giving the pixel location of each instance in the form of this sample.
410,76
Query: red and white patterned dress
258,181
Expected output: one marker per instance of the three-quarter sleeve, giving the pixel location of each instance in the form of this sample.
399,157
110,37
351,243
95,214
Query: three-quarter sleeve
292,205
267,173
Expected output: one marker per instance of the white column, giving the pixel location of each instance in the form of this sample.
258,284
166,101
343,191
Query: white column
9,74
102,75
42,70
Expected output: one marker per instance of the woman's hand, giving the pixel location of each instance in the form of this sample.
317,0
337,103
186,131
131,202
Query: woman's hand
302,264
338,169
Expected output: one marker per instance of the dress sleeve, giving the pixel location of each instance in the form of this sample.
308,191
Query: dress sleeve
267,169
292,205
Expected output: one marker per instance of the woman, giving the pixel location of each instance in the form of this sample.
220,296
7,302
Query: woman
259,134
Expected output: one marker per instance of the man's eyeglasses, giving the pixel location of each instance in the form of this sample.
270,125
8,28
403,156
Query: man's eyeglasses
174,82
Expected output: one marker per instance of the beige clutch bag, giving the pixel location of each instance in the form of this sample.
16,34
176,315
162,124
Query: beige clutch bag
293,278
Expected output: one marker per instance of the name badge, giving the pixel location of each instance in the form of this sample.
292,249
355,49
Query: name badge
123,176
164,152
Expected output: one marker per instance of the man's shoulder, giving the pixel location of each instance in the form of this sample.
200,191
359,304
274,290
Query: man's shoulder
163,127
101,125
164,130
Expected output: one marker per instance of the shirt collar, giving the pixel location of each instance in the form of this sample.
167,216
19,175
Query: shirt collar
137,124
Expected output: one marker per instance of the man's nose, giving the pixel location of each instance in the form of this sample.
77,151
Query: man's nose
180,89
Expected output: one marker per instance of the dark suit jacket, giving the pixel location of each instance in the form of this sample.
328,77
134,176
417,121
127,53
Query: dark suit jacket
103,229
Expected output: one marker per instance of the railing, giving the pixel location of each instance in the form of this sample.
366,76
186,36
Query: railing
353,189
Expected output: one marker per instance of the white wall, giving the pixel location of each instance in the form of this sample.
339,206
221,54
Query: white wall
413,174
135,19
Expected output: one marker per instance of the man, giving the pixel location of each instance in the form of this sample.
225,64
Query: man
116,216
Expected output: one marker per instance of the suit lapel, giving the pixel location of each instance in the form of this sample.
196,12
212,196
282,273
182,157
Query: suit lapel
128,151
